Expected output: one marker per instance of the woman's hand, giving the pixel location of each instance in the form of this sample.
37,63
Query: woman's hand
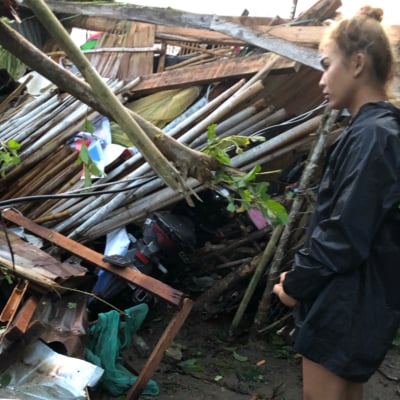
280,292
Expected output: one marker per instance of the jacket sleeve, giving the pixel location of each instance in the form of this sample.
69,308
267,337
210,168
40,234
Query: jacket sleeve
363,183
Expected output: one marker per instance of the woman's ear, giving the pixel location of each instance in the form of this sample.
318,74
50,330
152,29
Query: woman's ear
359,63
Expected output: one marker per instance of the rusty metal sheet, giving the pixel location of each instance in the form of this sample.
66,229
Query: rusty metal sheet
31,257
63,320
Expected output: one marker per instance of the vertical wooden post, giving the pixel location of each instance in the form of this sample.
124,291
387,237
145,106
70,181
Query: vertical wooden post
163,344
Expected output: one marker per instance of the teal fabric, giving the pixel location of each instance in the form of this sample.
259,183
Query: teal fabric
106,339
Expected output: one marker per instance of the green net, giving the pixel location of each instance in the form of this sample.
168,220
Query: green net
106,339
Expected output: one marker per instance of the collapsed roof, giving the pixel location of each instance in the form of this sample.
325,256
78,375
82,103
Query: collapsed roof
178,74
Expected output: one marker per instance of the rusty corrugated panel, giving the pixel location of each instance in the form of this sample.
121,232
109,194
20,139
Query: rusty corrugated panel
63,320
32,30
36,261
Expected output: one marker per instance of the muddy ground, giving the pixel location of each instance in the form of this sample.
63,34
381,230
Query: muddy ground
204,363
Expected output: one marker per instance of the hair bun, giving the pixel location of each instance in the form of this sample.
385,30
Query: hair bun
371,12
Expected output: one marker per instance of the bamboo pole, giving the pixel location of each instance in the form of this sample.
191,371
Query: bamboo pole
33,180
232,121
315,157
265,259
276,142
221,111
26,121
202,112
260,124
248,126
263,73
118,216
139,210
155,158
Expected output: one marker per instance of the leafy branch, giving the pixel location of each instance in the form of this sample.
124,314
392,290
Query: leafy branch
249,192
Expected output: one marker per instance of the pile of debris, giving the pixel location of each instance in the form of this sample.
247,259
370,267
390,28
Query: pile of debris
70,255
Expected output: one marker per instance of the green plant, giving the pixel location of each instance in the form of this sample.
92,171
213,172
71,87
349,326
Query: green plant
191,365
8,155
89,166
8,277
248,192
279,347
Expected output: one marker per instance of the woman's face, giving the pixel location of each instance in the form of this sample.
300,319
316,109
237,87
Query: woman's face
337,82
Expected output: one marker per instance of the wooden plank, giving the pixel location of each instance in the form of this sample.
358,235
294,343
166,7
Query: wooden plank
305,55
306,35
123,64
320,11
234,68
179,33
153,15
22,320
146,282
158,352
14,301
133,65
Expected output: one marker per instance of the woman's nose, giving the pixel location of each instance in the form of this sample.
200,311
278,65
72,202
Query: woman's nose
321,82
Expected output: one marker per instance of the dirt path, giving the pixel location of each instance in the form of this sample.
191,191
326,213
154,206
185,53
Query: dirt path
204,364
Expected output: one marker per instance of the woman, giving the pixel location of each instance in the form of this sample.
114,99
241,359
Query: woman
344,282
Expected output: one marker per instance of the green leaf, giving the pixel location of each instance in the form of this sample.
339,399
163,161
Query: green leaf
248,192
277,211
239,357
13,144
191,365
84,154
88,126
94,169
252,174
231,207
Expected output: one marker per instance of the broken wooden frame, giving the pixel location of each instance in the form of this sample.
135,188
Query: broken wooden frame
159,289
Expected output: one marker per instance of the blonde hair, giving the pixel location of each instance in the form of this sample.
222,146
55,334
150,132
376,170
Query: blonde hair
364,33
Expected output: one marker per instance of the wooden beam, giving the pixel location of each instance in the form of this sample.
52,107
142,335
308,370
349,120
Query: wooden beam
309,35
233,68
162,345
305,55
146,282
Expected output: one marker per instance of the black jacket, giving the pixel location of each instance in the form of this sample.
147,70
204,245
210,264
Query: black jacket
347,276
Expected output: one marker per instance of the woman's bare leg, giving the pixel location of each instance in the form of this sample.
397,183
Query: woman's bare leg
355,391
321,384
